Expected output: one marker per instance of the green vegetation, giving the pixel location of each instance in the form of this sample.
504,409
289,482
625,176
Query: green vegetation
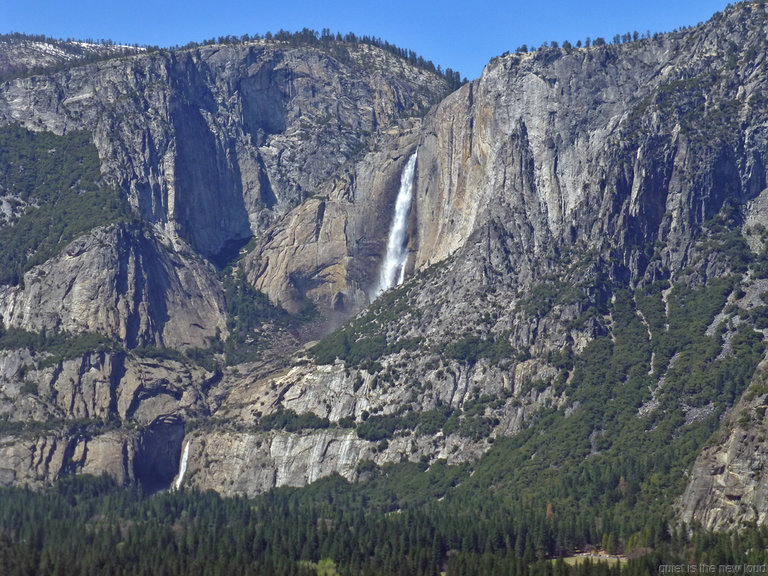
469,423
688,103
602,469
250,315
611,469
759,263
251,320
363,351
56,346
57,181
160,353
248,310
360,342
87,525
546,295
472,347
82,427
383,427
336,44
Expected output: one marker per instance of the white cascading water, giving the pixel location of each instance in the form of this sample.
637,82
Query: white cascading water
393,266
182,467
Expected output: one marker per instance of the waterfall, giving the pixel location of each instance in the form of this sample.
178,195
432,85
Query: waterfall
393,266
182,467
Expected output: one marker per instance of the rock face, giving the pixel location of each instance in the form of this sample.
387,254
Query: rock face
236,460
728,483
575,169
546,153
586,149
121,281
212,144
40,460
104,412
329,248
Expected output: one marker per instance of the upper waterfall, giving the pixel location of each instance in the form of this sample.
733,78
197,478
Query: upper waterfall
393,266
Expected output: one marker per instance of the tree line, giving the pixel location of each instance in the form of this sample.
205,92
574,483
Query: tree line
88,525
304,37
309,37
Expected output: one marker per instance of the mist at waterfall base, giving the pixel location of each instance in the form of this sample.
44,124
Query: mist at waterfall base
393,267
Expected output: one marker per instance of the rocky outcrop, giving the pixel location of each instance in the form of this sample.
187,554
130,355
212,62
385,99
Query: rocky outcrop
120,281
728,483
150,455
328,249
106,412
595,148
239,455
241,463
37,461
547,154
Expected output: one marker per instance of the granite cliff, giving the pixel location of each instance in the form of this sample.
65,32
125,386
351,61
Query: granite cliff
562,200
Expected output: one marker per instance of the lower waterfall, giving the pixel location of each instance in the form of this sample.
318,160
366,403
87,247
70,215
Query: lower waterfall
182,467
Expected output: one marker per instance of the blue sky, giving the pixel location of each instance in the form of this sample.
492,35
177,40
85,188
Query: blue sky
460,35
